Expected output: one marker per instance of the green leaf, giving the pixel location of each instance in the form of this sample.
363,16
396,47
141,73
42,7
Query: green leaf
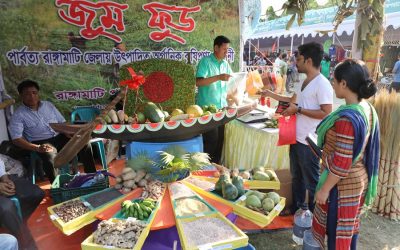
141,160
290,22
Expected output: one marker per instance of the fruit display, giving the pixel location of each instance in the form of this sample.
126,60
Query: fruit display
258,173
153,113
262,202
121,234
230,189
140,209
273,123
131,179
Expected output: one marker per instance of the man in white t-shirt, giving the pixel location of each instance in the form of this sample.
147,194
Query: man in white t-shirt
311,104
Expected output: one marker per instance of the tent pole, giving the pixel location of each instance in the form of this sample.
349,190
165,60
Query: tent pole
249,58
302,39
291,47
278,43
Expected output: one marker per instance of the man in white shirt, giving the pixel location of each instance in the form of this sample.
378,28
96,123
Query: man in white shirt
311,104
29,196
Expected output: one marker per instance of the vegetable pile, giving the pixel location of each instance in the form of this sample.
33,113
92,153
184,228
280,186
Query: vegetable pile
131,179
70,210
121,234
262,202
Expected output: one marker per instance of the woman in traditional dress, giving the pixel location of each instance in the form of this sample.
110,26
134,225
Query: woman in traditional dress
349,138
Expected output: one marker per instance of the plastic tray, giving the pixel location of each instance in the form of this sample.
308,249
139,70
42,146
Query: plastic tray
73,225
240,241
240,209
60,194
79,222
197,197
250,184
258,218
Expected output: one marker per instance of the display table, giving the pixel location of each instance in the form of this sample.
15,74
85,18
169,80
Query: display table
246,147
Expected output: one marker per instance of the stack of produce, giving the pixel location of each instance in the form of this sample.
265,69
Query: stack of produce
131,179
259,173
273,123
121,234
140,209
262,202
387,202
154,190
230,189
152,113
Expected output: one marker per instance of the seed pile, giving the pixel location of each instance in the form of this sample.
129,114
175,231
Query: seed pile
190,206
207,230
71,210
179,190
205,185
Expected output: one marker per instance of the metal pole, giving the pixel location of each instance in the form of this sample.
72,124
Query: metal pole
249,53
302,39
291,47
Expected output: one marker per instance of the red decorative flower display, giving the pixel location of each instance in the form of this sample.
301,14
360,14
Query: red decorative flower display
159,87
135,82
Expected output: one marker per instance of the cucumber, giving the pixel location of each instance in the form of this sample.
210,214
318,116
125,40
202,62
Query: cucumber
153,113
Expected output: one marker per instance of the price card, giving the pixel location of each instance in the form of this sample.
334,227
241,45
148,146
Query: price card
227,246
278,207
109,247
86,204
54,217
242,198
199,215
205,247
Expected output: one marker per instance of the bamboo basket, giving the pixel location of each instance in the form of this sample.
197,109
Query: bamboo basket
387,202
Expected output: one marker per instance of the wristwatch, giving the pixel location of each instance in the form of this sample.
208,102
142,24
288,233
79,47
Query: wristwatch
298,110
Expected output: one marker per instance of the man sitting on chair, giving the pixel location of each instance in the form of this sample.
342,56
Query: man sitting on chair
29,129
29,196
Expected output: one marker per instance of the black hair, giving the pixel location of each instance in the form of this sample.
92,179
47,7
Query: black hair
71,33
219,40
312,50
27,84
284,55
357,77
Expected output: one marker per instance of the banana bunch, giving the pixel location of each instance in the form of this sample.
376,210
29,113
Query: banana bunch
140,209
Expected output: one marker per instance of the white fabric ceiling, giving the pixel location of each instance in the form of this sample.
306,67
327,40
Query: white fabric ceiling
392,19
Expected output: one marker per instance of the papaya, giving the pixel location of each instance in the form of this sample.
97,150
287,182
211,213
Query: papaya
229,191
238,182
218,185
153,113
260,176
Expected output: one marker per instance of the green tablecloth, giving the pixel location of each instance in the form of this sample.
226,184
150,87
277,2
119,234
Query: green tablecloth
246,147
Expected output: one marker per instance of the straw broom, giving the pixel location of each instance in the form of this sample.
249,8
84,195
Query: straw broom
388,200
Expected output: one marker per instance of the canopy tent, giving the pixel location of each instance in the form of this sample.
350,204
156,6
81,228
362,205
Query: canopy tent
321,20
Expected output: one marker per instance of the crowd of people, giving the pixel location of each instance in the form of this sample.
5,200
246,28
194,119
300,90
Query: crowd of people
345,177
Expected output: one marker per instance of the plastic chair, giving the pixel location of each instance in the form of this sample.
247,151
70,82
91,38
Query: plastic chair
88,114
17,205
35,158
